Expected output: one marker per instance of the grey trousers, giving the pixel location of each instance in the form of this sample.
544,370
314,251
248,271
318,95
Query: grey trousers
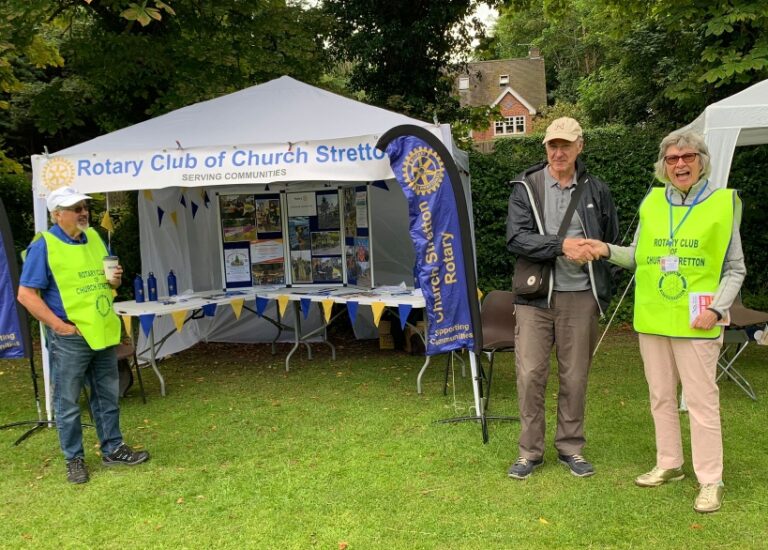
570,325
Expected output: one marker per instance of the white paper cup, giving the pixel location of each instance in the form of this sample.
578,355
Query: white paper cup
110,266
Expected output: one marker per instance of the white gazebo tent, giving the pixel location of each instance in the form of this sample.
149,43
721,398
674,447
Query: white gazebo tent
283,133
738,120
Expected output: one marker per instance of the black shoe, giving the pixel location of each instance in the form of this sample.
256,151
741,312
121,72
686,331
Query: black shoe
577,464
126,456
76,470
523,467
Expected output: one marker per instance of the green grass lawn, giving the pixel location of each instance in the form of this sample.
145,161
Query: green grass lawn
344,453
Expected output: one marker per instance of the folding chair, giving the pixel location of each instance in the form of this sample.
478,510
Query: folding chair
735,341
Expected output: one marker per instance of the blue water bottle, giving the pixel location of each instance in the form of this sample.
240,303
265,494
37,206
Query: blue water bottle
152,287
138,288
171,283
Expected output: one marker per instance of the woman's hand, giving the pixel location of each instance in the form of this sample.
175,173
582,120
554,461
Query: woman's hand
705,320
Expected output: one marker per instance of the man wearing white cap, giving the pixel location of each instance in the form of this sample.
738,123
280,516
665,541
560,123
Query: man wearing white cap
563,312
63,285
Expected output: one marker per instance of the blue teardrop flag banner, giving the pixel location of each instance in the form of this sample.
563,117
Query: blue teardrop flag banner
441,235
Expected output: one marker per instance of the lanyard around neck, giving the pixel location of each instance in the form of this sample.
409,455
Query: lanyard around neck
673,232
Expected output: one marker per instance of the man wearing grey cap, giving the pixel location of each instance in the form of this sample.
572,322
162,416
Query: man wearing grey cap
64,286
563,313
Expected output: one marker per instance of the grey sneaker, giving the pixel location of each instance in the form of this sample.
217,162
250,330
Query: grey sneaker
659,476
77,472
577,464
523,467
710,498
126,456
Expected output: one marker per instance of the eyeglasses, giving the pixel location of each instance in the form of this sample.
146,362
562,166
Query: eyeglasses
77,209
688,158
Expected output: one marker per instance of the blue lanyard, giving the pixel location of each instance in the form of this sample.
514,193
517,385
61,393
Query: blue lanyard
672,232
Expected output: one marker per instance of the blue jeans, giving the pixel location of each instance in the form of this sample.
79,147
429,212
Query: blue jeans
74,364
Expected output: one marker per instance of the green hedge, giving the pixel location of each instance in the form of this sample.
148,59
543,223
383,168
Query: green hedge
623,157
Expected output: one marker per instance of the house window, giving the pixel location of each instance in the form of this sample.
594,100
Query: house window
510,125
463,83
504,80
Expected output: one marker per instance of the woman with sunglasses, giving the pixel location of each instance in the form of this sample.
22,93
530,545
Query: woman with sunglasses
689,267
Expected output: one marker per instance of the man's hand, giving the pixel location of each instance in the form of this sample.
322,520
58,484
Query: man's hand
117,280
65,329
705,320
578,250
599,248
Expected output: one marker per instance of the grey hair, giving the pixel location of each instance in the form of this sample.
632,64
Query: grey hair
51,214
683,138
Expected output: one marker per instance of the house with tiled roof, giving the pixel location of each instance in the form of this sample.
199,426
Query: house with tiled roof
517,86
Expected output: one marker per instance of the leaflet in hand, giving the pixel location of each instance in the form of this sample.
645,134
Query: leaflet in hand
700,301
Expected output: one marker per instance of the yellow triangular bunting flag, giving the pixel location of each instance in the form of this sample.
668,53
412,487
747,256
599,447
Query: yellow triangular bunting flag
237,306
480,294
173,217
106,222
178,319
378,309
282,301
127,324
327,308
148,194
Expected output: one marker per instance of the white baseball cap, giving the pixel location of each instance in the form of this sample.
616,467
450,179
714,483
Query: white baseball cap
63,197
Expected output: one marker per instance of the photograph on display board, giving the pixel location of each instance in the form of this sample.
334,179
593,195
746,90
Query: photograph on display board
326,243
361,207
301,266
268,273
301,204
350,213
326,269
268,215
363,261
327,211
237,264
298,233
237,206
238,229
268,262
349,254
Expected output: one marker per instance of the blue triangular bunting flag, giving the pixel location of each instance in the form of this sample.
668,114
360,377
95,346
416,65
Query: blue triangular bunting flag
381,184
352,310
209,310
160,214
183,201
206,200
194,209
146,321
403,310
261,305
305,303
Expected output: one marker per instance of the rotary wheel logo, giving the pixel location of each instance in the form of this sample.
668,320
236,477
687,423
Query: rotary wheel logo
103,306
58,172
672,285
423,170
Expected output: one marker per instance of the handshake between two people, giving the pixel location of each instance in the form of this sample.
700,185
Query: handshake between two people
582,251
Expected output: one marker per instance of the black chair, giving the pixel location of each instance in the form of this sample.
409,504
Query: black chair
735,341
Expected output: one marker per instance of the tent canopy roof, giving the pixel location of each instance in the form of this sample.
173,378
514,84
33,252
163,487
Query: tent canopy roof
279,111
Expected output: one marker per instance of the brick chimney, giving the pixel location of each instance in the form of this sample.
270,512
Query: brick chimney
534,52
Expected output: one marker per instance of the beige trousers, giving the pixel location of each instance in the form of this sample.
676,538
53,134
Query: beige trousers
570,325
693,362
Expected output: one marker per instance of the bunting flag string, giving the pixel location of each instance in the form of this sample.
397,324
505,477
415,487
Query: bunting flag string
146,321
178,319
194,209
237,307
282,301
209,310
160,214
377,308
261,305
403,310
352,310
127,323
305,303
327,309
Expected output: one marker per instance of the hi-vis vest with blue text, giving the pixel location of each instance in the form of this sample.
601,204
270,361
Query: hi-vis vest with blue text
662,298
78,270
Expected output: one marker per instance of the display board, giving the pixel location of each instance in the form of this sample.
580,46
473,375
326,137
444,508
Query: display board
312,237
